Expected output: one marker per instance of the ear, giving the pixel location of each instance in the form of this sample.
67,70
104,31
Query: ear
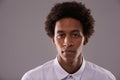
85,40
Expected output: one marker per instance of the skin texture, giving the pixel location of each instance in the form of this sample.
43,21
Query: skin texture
69,40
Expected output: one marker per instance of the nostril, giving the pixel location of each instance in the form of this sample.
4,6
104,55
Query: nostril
68,45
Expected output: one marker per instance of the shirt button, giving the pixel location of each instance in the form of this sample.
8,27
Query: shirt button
70,77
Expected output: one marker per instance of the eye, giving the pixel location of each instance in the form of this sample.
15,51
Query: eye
76,35
60,36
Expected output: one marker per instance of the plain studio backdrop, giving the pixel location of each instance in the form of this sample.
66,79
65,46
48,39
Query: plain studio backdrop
24,44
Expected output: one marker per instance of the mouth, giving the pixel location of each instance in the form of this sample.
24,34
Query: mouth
69,51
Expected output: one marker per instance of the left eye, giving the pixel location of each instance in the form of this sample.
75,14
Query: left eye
75,35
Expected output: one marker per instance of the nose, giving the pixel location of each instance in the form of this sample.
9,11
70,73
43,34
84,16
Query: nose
68,41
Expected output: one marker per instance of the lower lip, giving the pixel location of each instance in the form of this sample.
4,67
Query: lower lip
68,52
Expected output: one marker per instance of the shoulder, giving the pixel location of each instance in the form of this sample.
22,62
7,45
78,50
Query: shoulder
39,71
43,67
98,71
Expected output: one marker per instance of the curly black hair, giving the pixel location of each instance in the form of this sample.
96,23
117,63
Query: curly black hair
73,9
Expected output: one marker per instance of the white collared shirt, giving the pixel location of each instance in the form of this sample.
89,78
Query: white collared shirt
53,71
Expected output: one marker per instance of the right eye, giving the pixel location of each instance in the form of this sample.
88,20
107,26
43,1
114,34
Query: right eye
60,36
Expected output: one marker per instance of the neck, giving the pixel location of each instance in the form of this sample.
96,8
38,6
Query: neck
71,66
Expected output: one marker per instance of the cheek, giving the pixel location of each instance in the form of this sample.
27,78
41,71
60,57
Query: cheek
79,43
58,43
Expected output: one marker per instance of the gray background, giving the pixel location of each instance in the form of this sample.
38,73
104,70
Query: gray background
24,44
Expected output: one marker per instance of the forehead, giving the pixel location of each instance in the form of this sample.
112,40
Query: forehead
68,24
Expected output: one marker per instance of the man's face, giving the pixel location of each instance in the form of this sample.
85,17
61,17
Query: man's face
68,38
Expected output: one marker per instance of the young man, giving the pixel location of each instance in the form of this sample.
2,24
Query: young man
69,25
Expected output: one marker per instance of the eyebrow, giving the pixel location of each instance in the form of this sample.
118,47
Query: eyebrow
76,31
60,31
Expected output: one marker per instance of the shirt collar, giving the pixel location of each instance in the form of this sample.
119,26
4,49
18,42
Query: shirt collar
61,73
